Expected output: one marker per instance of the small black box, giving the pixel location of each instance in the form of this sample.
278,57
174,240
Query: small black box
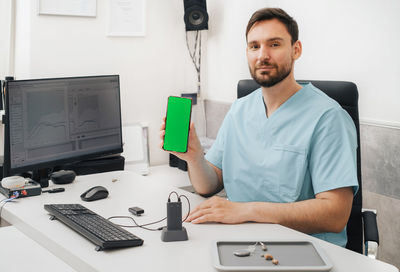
136,210
31,189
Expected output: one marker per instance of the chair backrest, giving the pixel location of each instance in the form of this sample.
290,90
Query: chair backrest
346,94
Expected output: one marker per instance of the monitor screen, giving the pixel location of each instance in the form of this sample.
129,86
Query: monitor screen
60,120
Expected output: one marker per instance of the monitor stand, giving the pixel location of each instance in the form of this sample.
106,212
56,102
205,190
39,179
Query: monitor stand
41,176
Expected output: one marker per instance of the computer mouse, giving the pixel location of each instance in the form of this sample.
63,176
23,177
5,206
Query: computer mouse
94,193
63,177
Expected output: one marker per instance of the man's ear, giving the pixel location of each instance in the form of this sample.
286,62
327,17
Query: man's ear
297,50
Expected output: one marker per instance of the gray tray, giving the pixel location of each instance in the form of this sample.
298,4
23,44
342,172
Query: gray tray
293,255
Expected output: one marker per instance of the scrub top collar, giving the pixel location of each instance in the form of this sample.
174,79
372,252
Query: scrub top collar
263,106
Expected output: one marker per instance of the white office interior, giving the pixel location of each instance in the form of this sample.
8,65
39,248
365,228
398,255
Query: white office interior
354,41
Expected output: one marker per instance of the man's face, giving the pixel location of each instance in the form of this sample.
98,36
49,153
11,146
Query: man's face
270,53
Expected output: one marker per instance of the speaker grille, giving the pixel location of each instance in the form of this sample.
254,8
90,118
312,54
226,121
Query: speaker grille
196,17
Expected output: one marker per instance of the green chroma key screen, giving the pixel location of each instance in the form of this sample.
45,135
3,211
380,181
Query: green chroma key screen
177,124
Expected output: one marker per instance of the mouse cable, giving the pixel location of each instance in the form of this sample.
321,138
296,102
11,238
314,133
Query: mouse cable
152,223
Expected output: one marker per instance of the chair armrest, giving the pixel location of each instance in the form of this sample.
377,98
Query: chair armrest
371,234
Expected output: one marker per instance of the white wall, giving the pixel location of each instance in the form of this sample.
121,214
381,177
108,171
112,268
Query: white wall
151,68
356,40
5,37
6,48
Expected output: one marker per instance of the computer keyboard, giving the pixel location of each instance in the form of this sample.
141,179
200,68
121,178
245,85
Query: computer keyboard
97,229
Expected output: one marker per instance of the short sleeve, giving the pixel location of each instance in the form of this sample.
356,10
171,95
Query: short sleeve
216,152
333,152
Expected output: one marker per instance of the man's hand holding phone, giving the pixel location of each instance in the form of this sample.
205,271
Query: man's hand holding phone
178,137
194,151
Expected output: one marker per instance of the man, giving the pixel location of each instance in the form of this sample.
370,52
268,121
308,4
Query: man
286,153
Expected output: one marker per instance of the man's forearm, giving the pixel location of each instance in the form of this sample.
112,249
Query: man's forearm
308,216
295,215
203,177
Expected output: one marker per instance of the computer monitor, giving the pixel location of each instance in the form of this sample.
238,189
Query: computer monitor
50,122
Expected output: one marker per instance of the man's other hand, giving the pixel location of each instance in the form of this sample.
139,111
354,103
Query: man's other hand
217,209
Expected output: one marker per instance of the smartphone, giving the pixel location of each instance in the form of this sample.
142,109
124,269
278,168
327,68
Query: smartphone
177,122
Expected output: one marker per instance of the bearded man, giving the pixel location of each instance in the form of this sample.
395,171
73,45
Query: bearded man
286,153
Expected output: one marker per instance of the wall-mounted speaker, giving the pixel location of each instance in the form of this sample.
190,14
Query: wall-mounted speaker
196,17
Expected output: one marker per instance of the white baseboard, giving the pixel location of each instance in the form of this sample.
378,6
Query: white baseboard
380,123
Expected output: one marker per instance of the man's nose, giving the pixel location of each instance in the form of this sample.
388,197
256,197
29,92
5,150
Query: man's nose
263,54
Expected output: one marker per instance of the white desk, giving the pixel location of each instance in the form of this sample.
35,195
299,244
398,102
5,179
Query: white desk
151,194
19,253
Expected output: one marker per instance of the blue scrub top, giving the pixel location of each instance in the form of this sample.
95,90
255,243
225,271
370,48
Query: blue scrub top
307,146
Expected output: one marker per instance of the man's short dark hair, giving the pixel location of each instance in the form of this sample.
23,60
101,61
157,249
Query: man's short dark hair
275,13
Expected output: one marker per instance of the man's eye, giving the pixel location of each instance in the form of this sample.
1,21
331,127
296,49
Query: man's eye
253,46
275,44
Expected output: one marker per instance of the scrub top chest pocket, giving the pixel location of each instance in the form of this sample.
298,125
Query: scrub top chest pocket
291,170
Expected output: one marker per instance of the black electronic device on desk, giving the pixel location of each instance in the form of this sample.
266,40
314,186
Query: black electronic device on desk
55,121
95,193
31,188
92,226
62,176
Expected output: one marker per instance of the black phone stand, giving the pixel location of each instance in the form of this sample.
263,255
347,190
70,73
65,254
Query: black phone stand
174,231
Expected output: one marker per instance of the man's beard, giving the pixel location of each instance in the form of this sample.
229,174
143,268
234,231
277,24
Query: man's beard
281,74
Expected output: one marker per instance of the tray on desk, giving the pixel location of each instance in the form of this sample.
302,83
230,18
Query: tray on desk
293,255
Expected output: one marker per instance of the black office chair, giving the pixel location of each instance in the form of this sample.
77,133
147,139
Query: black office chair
346,94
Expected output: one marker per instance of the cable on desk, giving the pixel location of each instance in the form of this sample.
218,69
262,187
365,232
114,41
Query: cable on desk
152,223
6,200
136,224
187,215
173,192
